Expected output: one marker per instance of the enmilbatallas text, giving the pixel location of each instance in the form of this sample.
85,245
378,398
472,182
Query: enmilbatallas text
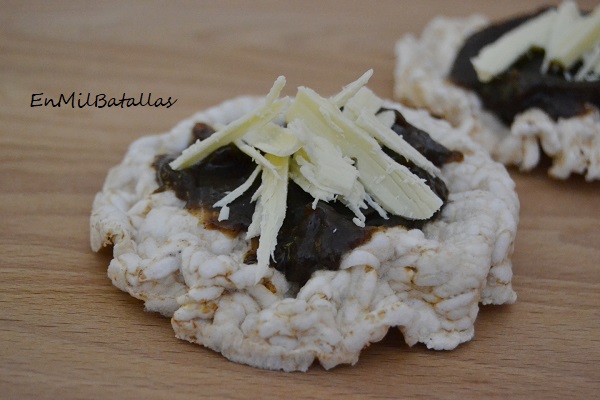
101,100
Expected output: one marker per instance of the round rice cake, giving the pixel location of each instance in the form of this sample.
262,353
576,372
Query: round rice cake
428,283
423,65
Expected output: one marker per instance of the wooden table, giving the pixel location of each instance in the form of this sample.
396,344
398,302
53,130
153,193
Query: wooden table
66,332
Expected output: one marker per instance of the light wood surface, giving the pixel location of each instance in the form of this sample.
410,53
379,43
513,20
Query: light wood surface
67,333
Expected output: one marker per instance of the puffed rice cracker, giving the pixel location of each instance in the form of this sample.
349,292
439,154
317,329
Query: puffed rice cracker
428,283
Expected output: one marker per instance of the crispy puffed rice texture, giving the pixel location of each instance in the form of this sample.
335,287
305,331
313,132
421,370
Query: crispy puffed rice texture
422,66
427,283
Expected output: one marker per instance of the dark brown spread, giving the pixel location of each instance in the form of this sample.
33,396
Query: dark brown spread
523,85
310,239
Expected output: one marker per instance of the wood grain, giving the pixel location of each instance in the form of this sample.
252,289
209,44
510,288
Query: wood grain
66,332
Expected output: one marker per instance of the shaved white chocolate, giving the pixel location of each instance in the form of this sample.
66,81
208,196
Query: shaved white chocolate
322,145
259,117
564,35
269,212
576,39
390,184
495,58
